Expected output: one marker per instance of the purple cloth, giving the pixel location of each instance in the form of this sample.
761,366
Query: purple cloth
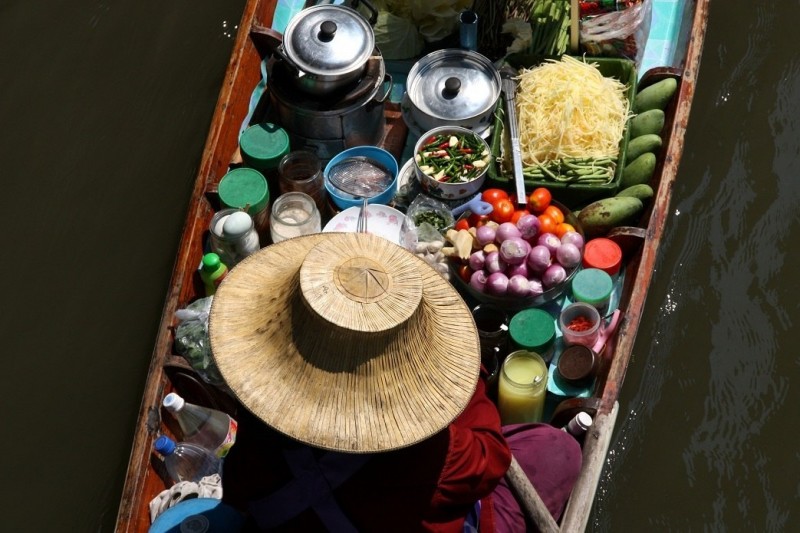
552,477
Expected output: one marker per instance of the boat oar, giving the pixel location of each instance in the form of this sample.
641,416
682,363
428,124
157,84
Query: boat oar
529,500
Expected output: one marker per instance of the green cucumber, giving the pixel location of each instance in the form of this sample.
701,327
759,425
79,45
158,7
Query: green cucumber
640,170
656,96
601,216
641,145
651,121
641,191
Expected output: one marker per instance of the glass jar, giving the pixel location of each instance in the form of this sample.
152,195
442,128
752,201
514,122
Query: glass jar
301,171
294,214
232,236
522,387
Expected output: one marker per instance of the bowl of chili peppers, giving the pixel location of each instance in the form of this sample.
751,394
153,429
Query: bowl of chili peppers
451,162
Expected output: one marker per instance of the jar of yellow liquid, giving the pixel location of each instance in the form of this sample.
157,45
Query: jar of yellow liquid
522,387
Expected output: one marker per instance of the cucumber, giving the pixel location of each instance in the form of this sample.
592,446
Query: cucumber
656,96
651,121
640,170
641,191
601,216
641,145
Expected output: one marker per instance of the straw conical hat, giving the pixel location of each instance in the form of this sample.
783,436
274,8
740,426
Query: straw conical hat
345,341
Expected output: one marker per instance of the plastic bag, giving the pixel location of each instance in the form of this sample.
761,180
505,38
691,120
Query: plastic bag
422,229
191,340
619,33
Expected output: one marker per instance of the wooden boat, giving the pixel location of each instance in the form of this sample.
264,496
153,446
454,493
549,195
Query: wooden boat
169,371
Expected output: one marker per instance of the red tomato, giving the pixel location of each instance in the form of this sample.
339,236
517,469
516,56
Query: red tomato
562,228
539,200
502,211
519,213
492,195
476,221
464,272
462,223
547,224
555,213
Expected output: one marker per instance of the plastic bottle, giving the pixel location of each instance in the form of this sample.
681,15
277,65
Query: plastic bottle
205,427
579,425
212,271
187,462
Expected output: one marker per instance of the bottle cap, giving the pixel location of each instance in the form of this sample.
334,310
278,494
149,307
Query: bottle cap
237,224
263,145
604,254
592,286
211,262
533,330
577,365
173,402
243,187
164,445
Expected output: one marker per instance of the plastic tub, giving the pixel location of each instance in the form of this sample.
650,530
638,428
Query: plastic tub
343,200
575,311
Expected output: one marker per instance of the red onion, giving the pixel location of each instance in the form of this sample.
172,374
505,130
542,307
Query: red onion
494,263
535,287
568,255
528,226
573,237
554,275
518,286
539,258
506,231
485,234
514,250
497,284
517,270
478,280
477,260
550,240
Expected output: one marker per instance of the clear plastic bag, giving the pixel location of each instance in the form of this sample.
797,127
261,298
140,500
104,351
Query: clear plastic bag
619,33
191,340
420,236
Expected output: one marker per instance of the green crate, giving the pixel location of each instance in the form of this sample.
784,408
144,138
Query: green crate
573,195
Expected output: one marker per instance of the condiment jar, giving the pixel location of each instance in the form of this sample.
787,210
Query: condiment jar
577,365
246,188
232,236
593,286
301,171
522,387
604,254
294,214
580,324
262,146
534,330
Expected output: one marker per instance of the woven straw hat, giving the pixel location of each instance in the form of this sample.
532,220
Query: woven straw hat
345,341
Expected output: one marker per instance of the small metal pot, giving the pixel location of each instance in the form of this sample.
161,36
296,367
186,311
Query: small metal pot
453,87
327,47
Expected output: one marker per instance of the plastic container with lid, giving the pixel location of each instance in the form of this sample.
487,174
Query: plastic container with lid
534,330
580,323
603,254
263,145
577,365
593,286
246,188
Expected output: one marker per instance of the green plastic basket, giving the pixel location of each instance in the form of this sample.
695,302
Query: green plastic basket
573,195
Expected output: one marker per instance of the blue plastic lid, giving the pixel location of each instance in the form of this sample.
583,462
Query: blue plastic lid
164,445
198,515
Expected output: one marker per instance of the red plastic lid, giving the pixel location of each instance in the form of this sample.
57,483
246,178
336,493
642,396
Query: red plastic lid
604,254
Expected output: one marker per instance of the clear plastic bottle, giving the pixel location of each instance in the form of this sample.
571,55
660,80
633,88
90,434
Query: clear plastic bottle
187,462
200,425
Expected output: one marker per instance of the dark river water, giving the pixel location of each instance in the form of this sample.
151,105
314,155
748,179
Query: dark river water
105,108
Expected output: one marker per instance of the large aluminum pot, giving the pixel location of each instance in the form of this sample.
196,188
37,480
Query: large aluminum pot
453,87
327,47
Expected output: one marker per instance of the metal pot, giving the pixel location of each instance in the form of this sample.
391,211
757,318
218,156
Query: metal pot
327,47
453,87
329,125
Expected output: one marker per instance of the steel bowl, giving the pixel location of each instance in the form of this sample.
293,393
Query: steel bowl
443,190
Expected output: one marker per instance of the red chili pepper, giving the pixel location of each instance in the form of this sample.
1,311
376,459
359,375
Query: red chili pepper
468,166
445,144
466,150
444,179
580,323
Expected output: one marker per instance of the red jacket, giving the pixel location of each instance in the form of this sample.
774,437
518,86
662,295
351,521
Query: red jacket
430,486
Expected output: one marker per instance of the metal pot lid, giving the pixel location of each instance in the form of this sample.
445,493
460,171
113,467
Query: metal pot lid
453,84
328,40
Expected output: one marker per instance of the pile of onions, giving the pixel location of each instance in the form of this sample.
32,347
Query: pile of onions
517,260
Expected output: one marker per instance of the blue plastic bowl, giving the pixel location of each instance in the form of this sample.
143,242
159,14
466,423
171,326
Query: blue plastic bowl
344,200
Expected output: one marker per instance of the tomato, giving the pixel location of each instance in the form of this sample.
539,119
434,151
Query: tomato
555,213
519,213
547,224
462,223
502,211
464,272
476,221
562,228
539,200
492,195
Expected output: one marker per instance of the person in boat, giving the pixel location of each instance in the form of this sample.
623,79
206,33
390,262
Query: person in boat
366,406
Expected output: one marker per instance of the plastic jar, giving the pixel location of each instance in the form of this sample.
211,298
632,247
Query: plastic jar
534,330
593,286
580,314
246,188
577,365
604,254
262,146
